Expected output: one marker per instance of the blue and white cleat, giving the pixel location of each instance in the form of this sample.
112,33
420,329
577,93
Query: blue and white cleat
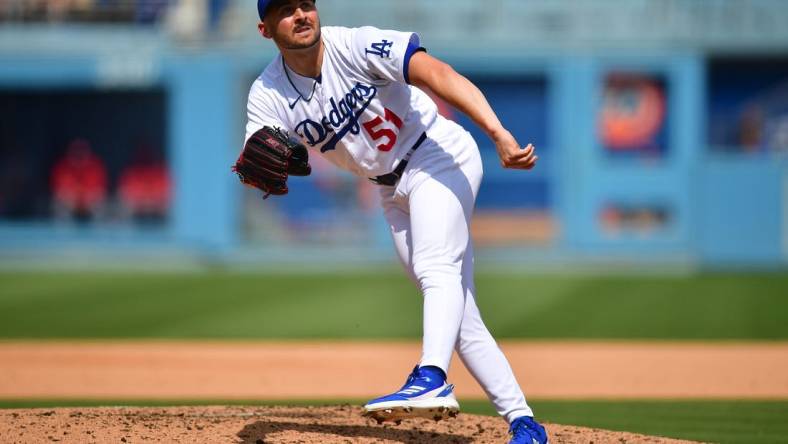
426,394
525,430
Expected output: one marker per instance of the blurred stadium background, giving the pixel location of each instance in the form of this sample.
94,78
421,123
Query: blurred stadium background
662,127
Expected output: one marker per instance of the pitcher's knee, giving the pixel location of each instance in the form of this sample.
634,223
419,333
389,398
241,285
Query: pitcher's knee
437,274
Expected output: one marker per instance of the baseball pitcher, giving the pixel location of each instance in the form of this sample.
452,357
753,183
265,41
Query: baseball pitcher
353,95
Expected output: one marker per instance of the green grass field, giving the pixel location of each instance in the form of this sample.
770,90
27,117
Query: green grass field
386,306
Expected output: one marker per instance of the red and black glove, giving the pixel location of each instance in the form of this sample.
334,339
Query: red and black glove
269,158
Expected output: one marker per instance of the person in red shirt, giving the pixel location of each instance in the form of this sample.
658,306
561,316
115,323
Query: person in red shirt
79,183
144,187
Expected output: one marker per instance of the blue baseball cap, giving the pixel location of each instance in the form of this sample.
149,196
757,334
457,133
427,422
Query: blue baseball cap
262,5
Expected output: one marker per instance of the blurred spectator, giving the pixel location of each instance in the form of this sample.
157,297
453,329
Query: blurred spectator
11,9
144,187
140,11
751,128
777,131
748,105
188,18
763,122
775,123
150,11
79,184
215,10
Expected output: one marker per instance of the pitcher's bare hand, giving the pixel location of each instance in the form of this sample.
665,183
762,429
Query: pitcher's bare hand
512,155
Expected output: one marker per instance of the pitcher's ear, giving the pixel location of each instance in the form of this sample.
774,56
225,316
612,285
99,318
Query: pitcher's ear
264,30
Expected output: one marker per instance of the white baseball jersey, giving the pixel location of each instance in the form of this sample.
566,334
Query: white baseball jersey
360,112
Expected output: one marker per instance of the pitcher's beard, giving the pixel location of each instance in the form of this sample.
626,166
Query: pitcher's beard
308,45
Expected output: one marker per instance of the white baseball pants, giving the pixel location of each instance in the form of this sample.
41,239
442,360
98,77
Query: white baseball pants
429,214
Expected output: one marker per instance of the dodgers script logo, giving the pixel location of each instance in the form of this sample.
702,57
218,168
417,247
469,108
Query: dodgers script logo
342,117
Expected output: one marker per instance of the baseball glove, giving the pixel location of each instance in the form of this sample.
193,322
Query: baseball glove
269,158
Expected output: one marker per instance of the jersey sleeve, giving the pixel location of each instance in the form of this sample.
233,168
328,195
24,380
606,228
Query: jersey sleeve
385,55
260,111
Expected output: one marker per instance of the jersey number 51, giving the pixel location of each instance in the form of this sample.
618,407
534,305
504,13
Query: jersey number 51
385,131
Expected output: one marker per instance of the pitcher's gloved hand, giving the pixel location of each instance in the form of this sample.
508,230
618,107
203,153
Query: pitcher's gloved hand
269,158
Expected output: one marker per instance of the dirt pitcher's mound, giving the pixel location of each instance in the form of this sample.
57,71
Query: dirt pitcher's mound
254,425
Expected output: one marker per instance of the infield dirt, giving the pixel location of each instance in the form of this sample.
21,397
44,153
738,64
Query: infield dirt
360,370
326,425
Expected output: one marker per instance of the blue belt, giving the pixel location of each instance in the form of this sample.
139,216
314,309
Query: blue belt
392,178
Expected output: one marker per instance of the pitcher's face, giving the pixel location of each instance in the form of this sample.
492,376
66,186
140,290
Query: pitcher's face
292,24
